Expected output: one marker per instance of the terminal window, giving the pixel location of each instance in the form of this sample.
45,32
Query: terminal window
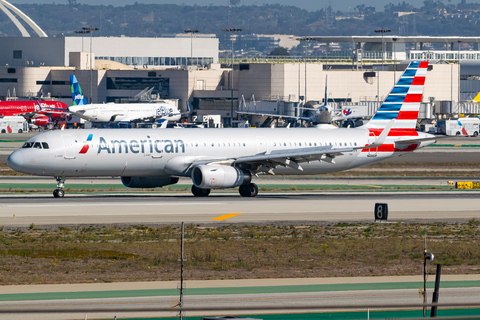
17,54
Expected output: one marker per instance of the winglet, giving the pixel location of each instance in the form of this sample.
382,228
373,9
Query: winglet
188,107
163,124
381,138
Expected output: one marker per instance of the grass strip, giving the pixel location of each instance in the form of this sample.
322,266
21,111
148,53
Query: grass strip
350,315
233,290
95,254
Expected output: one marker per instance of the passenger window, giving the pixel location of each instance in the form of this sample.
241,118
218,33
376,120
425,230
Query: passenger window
300,144
314,144
355,144
37,145
213,144
244,144
274,144
310,144
45,145
27,145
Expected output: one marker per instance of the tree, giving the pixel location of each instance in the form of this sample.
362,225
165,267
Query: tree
279,51
234,2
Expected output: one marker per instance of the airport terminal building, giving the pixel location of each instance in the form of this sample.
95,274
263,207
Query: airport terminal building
168,52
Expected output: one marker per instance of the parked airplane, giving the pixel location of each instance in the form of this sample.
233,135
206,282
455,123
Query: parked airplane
228,158
114,112
315,113
38,112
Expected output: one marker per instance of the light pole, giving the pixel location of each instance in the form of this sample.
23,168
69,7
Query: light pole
82,32
90,29
458,102
232,30
382,31
394,61
191,31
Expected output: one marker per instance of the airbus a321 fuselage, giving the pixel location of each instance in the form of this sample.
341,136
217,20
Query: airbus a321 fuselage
227,158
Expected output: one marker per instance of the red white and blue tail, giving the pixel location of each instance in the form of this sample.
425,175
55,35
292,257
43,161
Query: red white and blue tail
402,103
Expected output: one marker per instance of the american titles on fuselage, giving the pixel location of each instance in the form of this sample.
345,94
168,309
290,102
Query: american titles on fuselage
138,146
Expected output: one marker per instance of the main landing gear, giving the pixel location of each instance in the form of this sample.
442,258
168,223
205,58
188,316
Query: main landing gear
248,190
59,193
198,192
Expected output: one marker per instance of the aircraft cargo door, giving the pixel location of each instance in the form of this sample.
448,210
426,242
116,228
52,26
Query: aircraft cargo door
68,145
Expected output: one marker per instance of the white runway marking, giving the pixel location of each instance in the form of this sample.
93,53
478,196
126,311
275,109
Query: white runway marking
137,204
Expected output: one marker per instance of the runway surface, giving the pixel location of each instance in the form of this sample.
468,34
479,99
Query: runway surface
267,208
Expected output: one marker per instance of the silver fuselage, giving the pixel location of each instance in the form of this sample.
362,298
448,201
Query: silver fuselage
170,152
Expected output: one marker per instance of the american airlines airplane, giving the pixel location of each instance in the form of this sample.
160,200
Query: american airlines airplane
116,112
228,158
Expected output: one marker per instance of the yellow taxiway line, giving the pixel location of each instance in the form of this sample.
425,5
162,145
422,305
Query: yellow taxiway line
226,216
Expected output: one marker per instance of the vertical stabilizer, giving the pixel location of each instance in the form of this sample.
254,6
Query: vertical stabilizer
403,102
77,94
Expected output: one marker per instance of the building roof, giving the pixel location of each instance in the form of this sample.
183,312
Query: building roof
389,38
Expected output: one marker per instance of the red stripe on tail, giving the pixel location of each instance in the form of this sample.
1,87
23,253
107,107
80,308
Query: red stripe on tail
396,132
418,81
423,64
413,97
407,115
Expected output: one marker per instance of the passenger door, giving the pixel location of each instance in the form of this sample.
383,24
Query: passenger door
69,146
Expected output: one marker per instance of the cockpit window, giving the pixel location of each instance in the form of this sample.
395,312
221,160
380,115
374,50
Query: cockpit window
45,145
27,145
37,145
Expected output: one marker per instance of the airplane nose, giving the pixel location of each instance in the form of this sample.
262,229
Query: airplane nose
15,161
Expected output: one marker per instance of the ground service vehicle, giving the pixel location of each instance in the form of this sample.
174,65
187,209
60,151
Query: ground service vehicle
459,127
13,125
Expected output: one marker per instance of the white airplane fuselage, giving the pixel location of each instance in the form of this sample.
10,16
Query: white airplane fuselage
114,112
169,152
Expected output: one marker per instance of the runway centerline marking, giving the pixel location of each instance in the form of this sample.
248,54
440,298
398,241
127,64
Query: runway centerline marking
226,216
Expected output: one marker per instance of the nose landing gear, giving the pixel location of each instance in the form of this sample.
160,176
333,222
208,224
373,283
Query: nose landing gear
59,193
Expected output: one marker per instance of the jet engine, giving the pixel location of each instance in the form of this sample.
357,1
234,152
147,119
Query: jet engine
148,182
41,121
219,177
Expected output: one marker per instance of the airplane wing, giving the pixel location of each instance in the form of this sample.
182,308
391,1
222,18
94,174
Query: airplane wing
280,116
266,163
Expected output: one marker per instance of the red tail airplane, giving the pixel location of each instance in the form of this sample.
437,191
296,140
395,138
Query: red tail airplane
38,112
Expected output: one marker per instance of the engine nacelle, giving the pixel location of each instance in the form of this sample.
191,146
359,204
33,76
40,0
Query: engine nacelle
148,182
219,177
41,121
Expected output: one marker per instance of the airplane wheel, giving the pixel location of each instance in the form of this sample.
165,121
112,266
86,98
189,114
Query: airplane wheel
249,190
58,193
199,192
